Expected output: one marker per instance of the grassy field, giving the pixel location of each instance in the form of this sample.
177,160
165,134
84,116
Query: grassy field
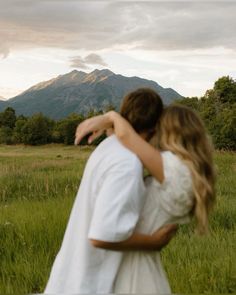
37,189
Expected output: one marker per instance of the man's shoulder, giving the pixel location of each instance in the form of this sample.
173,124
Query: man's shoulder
113,144
112,150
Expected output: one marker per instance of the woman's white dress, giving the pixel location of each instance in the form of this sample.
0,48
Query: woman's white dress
169,202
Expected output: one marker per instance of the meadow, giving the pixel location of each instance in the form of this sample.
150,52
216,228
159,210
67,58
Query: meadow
37,189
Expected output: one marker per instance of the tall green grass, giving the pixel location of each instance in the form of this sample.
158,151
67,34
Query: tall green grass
37,189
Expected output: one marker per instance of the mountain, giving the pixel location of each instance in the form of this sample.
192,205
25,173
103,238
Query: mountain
2,98
79,92
2,103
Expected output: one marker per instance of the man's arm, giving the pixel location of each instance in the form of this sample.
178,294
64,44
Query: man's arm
141,242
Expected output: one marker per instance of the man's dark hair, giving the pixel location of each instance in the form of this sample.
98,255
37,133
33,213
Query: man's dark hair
142,108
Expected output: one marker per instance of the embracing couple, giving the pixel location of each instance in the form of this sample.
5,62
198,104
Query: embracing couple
120,221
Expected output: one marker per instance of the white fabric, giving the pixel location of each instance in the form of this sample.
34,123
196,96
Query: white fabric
170,202
107,207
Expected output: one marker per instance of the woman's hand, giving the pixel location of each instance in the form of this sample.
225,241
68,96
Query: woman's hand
96,125
164,235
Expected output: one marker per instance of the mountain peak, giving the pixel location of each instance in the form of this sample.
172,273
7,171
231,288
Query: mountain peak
103,72
74,75
98,75
70,78
76,72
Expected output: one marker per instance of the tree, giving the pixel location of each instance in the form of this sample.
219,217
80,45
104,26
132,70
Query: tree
6,135
65,129
225,90
18,131
37,130
192,102
218,111
224,133
8,118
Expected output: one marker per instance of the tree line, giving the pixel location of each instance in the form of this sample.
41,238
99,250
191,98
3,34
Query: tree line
39,129
217,109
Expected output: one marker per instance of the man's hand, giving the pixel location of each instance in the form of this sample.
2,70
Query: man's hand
141,242
163,236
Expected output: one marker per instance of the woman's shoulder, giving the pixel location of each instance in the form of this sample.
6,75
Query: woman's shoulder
174,165
177,174
176,192
170,156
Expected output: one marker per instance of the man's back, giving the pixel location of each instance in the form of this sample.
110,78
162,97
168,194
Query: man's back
106,208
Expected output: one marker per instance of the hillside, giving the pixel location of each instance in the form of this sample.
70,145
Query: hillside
80,92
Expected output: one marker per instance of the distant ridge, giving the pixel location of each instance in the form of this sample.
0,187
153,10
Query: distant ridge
79,92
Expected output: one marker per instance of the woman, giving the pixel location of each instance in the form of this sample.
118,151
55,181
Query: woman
181,186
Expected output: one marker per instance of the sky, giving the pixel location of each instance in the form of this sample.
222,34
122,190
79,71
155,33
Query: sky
185,45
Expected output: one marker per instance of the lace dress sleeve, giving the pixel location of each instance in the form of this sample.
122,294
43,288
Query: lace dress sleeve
177,196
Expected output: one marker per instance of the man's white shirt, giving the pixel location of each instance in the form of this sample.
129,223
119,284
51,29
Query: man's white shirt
107,208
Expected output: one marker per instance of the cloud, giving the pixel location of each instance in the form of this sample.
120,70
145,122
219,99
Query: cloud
95,59
91,59
114,25
78,62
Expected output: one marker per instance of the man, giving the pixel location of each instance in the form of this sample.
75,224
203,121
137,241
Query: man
107,208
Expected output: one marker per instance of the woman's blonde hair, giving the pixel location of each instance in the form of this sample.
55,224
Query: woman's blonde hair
182,132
